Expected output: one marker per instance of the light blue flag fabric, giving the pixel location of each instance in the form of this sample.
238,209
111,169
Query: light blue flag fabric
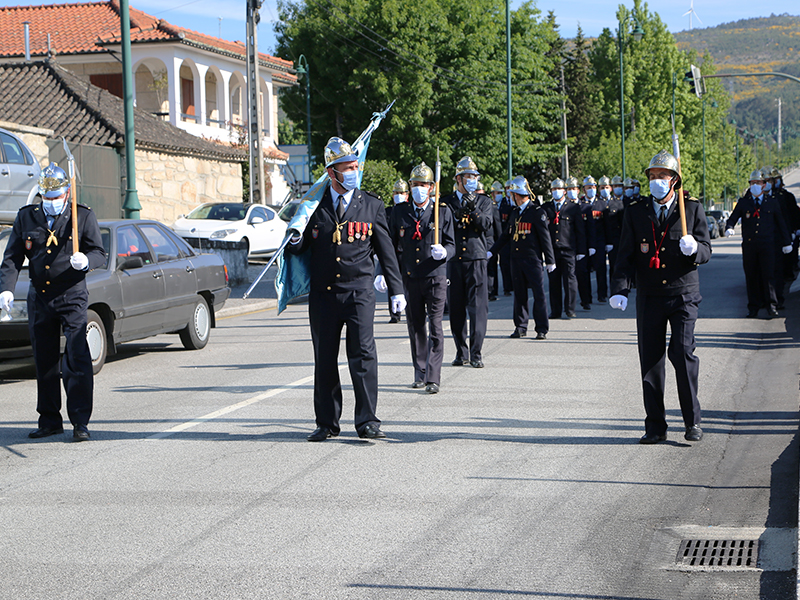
293,278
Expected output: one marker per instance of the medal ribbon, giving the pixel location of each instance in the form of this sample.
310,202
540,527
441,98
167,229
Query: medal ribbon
655,261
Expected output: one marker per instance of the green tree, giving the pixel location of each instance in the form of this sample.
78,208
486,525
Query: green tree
379,177
583,110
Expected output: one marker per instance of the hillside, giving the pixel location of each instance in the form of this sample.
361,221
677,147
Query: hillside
755,45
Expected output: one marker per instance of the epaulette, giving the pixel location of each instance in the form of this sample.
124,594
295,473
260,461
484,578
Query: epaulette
633,202
372,194
30,207
691,198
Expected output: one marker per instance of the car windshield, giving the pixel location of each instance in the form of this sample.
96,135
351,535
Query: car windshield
717,214
228,211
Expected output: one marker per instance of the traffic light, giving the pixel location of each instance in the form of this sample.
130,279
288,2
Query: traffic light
696,84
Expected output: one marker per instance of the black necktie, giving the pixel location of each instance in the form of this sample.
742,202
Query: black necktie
663,216
419,213
340,209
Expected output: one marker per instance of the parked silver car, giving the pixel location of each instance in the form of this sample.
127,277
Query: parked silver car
153,282
19,176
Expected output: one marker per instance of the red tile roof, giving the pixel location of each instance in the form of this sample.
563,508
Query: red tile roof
87,28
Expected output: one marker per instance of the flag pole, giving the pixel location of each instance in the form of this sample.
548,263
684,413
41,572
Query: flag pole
436,199
676,150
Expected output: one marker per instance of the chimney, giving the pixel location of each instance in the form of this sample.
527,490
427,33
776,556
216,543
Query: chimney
27,40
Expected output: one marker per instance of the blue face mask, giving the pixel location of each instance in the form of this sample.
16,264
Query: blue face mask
471,185
618,191
755,189
605,193
767,186
629,192
660,188
557,194
349,179
591,193
636,189
420,194
53,207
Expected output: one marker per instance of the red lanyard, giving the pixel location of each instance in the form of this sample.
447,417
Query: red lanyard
655,261
417,235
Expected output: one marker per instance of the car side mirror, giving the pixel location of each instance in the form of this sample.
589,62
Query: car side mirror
125,263
256,220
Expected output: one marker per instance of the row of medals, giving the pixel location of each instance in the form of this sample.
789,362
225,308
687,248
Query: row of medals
355,231
523,229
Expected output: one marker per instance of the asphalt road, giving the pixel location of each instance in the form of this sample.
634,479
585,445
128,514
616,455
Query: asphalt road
520,480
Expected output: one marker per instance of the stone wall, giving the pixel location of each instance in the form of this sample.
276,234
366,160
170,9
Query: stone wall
170,185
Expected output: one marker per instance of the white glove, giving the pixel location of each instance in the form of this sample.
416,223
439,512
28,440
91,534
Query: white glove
380,285
592,251
580,257
488,255
438,252
619,301
688,245
786,249
609,247
398,303
79,261
7,301
729,232
550,268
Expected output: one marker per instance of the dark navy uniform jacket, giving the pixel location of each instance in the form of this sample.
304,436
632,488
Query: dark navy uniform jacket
788,204
587,214
532,235
642,236
49,269
760,224
470,235
416,261
347,265
505,208
567,232
612,217
599,207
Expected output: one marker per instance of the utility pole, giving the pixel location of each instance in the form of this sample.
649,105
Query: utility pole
254,104
508,82
131,205
565,159
780,132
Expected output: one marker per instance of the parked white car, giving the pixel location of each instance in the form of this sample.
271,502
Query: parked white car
19,176
256,224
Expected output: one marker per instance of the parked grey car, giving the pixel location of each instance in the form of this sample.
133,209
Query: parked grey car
153,282
19,176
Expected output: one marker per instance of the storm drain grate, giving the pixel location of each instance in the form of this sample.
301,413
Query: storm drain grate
718,553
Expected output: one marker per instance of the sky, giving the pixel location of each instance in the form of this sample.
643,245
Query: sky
204,15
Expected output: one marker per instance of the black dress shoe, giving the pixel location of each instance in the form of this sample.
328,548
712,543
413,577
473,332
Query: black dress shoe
652,438
693,434
571,315
752,314
492,298
586,306
477,363
771,312
541,336
602,300
371,431
432,388
45,432
506,293
418,384
320,434
518,334
781,306
394,320
80,434
460,362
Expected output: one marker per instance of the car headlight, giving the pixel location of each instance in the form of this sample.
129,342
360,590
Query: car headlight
19,312
221,233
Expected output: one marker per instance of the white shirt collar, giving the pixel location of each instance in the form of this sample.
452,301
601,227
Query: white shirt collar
524,206
657,206
346,198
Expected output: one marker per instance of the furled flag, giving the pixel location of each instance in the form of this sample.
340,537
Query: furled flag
292,280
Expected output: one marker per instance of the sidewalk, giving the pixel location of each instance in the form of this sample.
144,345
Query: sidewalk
263,297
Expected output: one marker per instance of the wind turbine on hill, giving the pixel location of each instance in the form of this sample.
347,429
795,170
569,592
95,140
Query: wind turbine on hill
691,14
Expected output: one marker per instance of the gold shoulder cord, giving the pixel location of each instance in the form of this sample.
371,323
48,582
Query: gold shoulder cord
51,238
337,234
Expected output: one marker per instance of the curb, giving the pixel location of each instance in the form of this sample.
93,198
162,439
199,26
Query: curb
244,308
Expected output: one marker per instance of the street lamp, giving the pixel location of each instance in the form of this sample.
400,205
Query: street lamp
713,105
637,34
304,70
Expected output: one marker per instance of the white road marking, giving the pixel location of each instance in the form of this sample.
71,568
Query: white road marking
234,407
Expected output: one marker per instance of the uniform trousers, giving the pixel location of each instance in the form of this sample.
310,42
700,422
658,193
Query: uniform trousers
758,259
784,273
328,313
599,264
563,284
491,275
612,259
46,319
528,273
505,269
584,275
652,315
468,295
426,297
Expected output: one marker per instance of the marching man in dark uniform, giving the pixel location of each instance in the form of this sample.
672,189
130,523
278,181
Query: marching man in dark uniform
348,226
529,237
57,298
613,220
763,229
492,234
599,211
653,251
467,269
505,207
785,264
568,236
399,196
424,269
583,267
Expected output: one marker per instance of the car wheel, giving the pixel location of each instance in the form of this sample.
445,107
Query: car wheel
97,340
195,335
